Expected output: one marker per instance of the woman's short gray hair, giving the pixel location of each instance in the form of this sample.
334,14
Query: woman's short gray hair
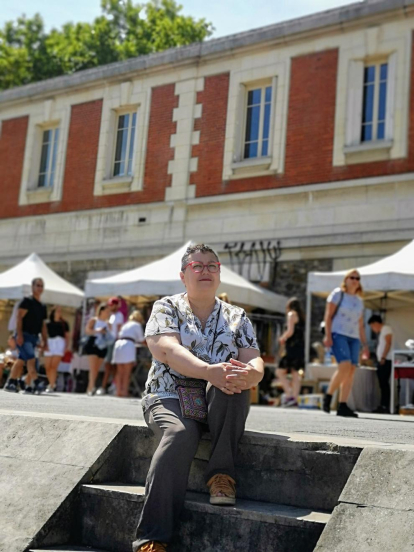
198,248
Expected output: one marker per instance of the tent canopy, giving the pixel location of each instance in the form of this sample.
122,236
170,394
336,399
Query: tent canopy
16,283
391,278
162,278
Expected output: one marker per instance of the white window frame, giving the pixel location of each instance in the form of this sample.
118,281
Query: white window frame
258,86
348,146
44,115
276,71
119,114
54,154
121,98
377,65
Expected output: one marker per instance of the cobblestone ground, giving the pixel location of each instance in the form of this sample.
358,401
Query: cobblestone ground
368,428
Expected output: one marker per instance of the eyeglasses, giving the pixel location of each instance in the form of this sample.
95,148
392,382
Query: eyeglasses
198,267
355,278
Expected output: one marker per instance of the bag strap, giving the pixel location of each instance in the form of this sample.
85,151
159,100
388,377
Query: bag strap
338,305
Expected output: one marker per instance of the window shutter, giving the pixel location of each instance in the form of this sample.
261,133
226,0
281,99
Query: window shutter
354,106
391,82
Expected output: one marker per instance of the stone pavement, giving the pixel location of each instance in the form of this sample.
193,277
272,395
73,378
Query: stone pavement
368,429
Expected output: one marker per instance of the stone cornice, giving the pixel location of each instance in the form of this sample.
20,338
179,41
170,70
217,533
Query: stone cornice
280,32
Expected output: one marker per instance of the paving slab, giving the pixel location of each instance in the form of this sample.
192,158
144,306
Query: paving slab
369,429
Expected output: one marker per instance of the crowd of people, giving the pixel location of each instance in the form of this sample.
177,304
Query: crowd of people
111,337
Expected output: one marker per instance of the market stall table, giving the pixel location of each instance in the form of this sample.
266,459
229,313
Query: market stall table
402,368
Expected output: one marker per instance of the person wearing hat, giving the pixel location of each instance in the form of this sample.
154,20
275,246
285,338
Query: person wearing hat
116,321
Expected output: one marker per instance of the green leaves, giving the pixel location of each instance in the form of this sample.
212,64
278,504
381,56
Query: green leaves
124,30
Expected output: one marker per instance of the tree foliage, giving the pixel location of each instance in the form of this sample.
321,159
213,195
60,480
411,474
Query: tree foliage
28,53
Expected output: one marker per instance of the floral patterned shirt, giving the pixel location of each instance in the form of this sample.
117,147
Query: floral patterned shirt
228,323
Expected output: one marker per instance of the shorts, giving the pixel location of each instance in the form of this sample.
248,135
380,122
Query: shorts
291,363
124,352
91,349
27,350
345,348
56,345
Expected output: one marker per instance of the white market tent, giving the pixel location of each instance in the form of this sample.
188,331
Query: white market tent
388,285
162,278
16,283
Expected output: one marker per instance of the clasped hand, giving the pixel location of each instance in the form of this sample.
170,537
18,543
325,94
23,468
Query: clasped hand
232,377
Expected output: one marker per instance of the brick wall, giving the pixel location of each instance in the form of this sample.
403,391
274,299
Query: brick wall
212,127
81,155
12,145
308,158
310,131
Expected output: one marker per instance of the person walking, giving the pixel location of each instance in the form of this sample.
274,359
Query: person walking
58,343
384,360
344,332
31,321
205,359
294,358
125,353
116,319
96,326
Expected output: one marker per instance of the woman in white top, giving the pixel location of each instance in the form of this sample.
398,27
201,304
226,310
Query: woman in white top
95,326
124,355
344,332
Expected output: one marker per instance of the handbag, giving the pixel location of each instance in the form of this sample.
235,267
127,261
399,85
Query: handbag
192,397
67,357
192,391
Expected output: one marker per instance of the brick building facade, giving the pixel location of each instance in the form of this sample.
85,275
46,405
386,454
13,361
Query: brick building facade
300,132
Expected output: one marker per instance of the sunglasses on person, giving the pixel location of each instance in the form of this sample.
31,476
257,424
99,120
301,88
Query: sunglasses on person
355,278
198,267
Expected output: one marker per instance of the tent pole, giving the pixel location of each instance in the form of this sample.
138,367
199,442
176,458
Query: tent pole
307,329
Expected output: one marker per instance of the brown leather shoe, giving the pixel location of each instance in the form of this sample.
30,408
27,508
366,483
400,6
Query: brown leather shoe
222,489
152,546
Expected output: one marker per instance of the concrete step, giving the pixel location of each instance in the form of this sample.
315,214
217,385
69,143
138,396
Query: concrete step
109,515
270,468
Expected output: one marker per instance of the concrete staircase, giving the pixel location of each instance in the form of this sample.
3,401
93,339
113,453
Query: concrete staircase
286,492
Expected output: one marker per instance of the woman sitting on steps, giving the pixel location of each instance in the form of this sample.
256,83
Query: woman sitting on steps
205,359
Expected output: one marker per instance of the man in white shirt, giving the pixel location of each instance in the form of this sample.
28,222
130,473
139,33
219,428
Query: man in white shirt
384,360
116,321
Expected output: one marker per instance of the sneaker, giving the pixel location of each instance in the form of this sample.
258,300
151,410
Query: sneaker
91,393
291,402
152,546
49,389
222,489
346,412
11,388
22,384
112,389
101,391
29,390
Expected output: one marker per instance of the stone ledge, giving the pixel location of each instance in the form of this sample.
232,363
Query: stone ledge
245,509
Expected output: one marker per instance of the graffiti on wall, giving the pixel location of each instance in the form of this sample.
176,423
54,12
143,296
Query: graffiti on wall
261,254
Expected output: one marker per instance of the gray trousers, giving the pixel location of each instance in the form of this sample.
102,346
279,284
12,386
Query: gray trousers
167,477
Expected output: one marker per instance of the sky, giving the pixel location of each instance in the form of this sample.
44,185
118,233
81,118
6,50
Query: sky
227,16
